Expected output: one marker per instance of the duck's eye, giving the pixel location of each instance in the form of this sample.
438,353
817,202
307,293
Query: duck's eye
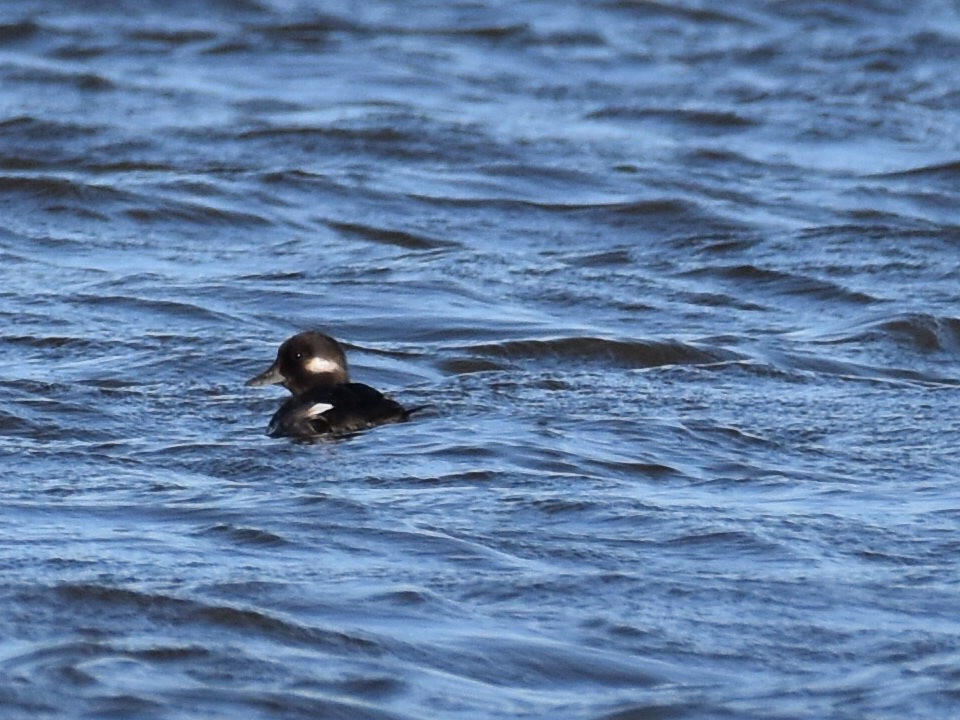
299,356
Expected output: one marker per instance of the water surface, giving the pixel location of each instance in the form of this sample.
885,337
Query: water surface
680,282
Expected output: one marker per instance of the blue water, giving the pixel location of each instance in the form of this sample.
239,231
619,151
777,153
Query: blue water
678,280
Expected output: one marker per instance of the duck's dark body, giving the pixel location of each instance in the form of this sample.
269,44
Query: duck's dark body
313,367
344,409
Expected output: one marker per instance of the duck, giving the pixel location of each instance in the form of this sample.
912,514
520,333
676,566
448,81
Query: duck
324,402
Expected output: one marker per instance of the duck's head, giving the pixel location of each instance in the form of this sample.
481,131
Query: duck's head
306,360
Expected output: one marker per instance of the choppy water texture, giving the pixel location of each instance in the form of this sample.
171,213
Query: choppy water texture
680,280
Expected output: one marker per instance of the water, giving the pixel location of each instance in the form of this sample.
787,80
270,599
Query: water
680,281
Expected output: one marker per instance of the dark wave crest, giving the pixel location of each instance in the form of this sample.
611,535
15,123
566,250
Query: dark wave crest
626,353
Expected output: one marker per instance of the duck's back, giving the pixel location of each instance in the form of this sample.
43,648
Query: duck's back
334,410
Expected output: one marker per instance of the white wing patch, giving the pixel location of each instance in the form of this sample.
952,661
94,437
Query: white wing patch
321,365
317,409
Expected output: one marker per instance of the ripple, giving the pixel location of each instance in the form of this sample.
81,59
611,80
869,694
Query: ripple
138,304
246,535
197,213
658,9
921,332
735,541
97,599
947,172
397,238
18,31
60,188
719,121
778,282
530,663
88,82
174,37
54,341
924,332
628,353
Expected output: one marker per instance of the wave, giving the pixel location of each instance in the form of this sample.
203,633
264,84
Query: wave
659,216
798,364
27,127
172,37
170,308
17,31
921,332
171,211
34,144
83,81
397,238
784,283
246,535
396,134
699,119
628,353
95,598
52,186
677,11
927,333
52,341
947,171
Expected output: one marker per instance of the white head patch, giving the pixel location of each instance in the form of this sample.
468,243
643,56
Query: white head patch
317,409
319,365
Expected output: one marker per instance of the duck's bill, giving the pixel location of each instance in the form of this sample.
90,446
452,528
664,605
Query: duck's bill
270,376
